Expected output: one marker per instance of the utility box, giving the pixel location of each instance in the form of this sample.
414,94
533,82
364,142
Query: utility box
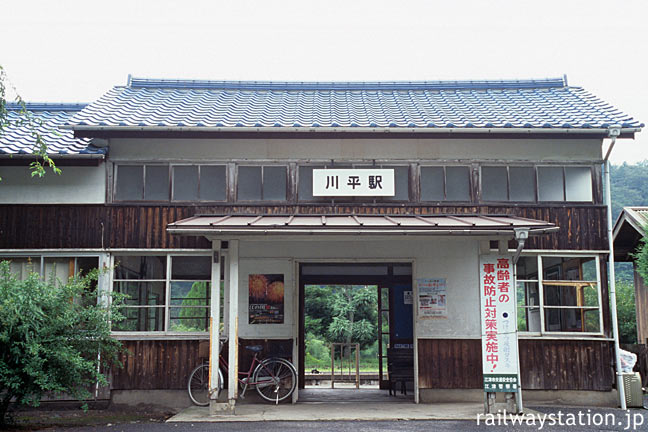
633,390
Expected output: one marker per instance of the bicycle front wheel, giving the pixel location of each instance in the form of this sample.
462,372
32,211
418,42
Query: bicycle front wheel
275,379
198,385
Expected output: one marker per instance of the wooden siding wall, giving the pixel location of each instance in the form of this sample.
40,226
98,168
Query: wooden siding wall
166,364
544,364
112,226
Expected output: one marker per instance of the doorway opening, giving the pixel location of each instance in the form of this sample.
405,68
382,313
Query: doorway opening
363,312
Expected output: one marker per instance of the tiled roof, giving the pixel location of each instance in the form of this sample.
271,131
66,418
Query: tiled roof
18,137
427,105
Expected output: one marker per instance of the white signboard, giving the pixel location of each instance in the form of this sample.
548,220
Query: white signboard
353,182
432,298
499,323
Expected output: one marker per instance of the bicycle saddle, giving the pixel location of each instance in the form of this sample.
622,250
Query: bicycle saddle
254,348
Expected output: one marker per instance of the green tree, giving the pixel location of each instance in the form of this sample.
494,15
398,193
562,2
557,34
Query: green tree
354,313
23,118
50,343
626,313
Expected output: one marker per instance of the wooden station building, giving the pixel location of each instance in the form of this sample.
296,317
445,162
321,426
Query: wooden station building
183,187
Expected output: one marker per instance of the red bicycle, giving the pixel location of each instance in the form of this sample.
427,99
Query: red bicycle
275,378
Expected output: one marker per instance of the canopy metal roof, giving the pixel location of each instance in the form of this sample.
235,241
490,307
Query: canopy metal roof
358,224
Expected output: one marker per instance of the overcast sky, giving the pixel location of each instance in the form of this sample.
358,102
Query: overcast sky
74,51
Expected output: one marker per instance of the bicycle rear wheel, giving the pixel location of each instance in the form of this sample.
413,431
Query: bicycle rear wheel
198,385
275,379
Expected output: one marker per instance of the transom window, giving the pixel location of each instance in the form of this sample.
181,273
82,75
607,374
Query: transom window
262,183
445,183
563,297
541,183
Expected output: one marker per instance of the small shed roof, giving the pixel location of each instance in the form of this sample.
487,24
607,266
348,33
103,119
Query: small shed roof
539,105
45,119
358,224
628,231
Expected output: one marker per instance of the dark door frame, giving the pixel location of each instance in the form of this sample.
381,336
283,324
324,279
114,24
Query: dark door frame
384,281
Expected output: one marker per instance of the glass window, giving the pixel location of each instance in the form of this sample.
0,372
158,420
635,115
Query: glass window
550,184
156,183
569,291
305,188
213,183
274,183
457,183
578,183
249,183
185,183
147,279
401,183
494,183
522,184
130,183
432,184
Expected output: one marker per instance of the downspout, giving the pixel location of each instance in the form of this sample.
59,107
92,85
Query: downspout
613,133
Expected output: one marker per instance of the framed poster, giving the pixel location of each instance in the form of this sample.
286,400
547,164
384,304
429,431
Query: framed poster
432,298
266,299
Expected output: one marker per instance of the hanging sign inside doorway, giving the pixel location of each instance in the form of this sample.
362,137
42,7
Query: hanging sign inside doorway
353,182
432,298
498,323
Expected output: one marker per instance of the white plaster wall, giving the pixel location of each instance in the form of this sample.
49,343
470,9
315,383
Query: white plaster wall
354,149
75,185
455,259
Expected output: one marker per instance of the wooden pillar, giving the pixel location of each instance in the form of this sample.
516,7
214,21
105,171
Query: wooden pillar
214,321
233,288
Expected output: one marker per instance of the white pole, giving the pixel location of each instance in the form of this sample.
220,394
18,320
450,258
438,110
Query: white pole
612,286
214,321
233,288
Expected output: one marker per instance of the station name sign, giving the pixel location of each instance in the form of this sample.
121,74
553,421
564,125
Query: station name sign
353,182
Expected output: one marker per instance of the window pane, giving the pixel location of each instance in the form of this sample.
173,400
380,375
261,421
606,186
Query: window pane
521,184
457,183
249,183
191,267
140,267
527,268
566,268
556,295
213,183
568,320
578,185
185,183
401,183
188,293
528,319
157,183
550,184
592,322
130,183
22,267
432,183
189,319
493,183
274,183
528,294
59,268
142,293
141,319
305,189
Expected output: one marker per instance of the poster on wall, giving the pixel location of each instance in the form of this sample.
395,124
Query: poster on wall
266,299
432,298
499,324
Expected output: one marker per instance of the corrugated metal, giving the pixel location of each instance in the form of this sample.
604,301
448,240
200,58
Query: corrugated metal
45,119
537,104
401,224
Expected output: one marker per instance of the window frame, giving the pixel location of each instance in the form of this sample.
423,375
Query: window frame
167,302
541,293
286,198
536,167
445,182
199,166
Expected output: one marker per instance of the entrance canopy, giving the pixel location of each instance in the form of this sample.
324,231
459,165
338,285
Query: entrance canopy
359,224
